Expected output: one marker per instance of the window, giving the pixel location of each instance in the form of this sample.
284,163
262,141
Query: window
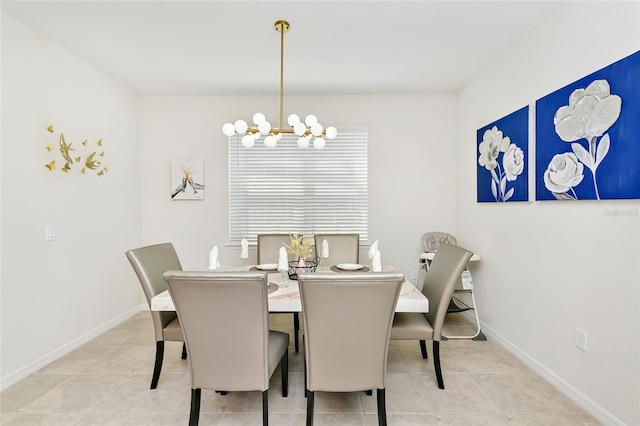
292,190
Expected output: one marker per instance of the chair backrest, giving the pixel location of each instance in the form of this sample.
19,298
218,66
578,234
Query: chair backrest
432,240
149,263
224,318
347,321
343,248
269,245
446,267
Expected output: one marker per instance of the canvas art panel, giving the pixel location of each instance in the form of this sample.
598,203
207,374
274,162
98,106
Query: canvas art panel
187,180
588,136
502,162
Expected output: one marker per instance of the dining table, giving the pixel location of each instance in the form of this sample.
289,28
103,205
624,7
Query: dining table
284,294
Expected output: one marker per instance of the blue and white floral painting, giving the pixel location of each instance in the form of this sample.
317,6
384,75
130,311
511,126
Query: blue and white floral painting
502,159
588,136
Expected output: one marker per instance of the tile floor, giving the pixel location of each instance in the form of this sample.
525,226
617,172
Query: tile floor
106,382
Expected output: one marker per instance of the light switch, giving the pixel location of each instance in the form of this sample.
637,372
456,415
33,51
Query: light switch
50,233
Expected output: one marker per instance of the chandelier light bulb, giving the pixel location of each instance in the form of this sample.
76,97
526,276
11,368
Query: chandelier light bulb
240,126
293,119
278,136
316,129
310,120
303,142
299,128
228,129
270,141
331,132
318,143
264,126
256,135
258,118
248,141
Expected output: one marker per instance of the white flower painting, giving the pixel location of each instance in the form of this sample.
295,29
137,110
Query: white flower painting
587,145
501,161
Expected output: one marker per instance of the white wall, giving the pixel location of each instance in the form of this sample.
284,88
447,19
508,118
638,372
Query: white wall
550,267
56,295
404,201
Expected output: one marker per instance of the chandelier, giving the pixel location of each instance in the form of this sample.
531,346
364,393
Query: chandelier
305,130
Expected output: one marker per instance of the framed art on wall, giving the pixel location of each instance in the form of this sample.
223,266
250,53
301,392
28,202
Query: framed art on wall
502,159
187,180
588,136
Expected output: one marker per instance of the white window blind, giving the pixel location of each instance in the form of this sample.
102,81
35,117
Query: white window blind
291,190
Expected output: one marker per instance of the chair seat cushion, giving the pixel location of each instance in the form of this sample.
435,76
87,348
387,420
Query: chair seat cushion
278,344
411,326
173,332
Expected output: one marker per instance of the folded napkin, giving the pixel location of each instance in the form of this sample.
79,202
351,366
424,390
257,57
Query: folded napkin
214,263
373,249
376,262
283,260
325,249
244,249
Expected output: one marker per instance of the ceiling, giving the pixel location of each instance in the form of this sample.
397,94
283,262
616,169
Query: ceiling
333,47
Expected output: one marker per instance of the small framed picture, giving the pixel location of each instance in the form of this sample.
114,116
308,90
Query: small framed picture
187,179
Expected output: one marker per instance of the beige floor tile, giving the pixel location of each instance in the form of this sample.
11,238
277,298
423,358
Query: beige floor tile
111,419
461,395
77,394
44,419
546,419
237,419
121,360
516,393
401,419
29,389
493,419
323,419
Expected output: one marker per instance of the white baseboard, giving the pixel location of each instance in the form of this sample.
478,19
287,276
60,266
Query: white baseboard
572,393
24,371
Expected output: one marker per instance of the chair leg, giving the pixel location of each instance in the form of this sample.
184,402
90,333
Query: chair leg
309,396
184,351
265,408
436,363
296,328
284,371
158,365
194,416
382,407
423,348
369,392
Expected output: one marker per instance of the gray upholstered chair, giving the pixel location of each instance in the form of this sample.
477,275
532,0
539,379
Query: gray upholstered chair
225,318
432,240
268,249
446,268
347,320
343,248
149,263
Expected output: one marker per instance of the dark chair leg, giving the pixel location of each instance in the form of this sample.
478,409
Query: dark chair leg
436,363
194,416
309,396
158,366
265,408
423,348
284,371
382,407
369,392
296,328
221,392
184,351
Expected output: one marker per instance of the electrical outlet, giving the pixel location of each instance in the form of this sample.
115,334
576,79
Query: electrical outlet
581,339
50,233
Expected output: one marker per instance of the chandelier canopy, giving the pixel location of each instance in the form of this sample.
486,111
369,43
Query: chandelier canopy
306,130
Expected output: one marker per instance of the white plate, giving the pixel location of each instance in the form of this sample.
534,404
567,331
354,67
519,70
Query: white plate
267,266
349,266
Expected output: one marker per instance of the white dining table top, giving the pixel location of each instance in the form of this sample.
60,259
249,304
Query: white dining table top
285,297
